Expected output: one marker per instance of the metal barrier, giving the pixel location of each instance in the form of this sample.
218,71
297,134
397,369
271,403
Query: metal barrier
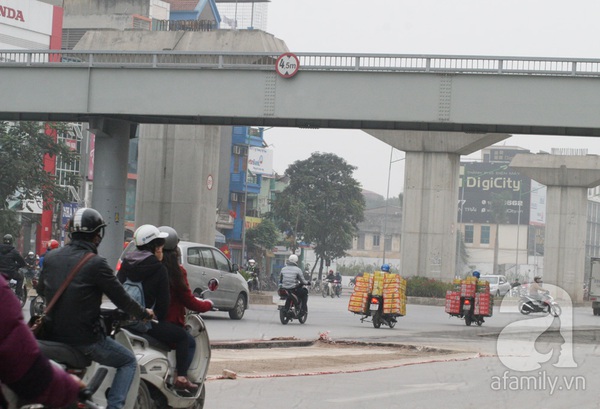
308,62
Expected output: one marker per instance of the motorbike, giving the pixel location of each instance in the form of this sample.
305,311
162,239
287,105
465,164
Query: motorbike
337,288
375,310
290,307
85,396
38,303
153,382
467,311
13,286
331,289
253,282
528,304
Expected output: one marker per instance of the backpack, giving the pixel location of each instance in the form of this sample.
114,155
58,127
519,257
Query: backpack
135,289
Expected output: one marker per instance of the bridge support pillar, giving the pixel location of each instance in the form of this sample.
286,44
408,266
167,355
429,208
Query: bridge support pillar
111,155
430,198
567,179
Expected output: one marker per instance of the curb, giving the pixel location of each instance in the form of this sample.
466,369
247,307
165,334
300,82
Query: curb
261,343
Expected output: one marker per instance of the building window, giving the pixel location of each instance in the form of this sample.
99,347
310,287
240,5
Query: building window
376,239
485,235
388,243
469,233
361,242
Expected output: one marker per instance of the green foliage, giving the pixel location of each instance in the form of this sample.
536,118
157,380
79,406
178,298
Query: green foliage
418,286
264,236
23,146
323,203
356,268
9,223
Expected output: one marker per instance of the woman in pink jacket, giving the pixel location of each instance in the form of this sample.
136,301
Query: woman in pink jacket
23,368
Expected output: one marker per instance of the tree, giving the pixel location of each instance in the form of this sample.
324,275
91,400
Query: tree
262,238
322,205
23,147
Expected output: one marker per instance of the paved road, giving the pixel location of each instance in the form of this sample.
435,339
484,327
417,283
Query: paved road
488,380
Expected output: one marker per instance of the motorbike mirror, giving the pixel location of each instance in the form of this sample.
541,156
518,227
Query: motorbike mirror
213,284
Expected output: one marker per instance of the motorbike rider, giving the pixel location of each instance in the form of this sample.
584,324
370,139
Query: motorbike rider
330,276
30,266
145,265
75,319
254,271
181,295
291,277
11,262
536,290
52,244
24,369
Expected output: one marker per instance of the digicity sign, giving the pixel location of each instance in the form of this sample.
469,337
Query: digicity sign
8,12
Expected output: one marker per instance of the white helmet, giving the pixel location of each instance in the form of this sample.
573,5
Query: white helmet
30,254
293,259
251,262
146,233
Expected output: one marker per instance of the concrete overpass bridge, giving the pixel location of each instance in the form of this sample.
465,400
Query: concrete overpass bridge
434,107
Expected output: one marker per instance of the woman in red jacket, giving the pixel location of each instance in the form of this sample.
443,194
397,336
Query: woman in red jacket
181,295
23,368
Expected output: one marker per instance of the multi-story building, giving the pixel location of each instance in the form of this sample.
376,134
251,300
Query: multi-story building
31,24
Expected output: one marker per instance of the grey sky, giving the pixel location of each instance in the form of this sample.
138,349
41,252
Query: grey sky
529,28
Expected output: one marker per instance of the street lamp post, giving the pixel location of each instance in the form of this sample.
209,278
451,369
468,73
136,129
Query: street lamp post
387,197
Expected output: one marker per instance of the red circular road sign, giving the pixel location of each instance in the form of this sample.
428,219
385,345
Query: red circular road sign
287,65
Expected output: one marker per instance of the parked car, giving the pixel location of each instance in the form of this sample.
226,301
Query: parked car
499,285
203,262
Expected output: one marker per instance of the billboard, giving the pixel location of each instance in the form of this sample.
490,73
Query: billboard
260,161
490,190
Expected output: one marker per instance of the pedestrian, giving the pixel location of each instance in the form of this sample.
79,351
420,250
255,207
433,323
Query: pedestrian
75,318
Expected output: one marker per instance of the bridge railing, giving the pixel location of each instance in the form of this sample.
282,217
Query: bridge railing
308,62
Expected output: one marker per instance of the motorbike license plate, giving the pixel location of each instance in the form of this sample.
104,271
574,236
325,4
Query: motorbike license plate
466,308
374,307
281,303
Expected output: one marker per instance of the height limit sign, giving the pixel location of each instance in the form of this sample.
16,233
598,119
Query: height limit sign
287,65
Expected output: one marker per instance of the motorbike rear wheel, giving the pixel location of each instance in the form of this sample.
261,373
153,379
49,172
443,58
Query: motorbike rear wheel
283,317
143,399
523,309
325,291
377,320
468,320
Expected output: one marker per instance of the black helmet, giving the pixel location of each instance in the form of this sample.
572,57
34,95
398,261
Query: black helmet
86,220
8,239
172,240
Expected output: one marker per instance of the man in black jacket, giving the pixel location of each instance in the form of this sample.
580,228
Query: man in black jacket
10,263
75,319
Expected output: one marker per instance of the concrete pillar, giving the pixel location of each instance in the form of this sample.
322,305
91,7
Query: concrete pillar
567,179
178,168
430,203
111,154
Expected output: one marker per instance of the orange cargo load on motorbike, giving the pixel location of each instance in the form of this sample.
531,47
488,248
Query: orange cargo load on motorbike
358,302
452,302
